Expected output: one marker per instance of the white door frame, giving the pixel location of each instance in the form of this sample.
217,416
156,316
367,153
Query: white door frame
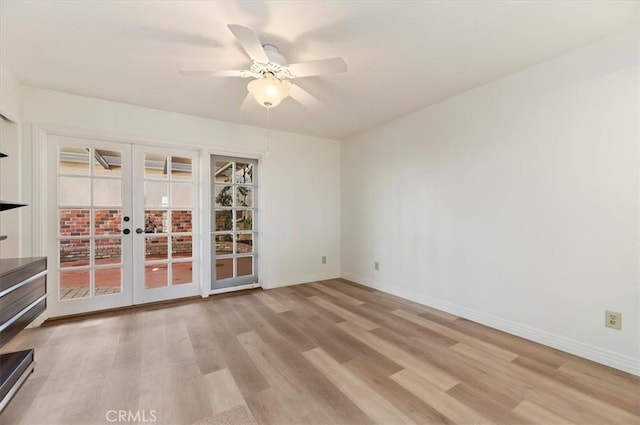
206,217
247,280
41,150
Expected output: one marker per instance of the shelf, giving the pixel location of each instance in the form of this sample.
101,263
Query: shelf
2,154
15,368
4,205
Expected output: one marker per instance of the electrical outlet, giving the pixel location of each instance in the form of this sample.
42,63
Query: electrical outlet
324,259
613,320
376,266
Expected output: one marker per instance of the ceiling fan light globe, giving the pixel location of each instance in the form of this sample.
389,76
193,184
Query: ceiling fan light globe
269,91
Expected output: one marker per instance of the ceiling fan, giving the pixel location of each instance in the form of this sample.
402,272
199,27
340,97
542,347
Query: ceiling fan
272,76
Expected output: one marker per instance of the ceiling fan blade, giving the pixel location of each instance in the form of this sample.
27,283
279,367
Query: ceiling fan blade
318,67
210,73
249,103
249,41
303,97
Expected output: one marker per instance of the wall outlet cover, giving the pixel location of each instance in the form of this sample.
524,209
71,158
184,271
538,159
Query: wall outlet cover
613,320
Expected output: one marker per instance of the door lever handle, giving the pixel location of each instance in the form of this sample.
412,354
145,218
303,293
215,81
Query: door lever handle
139,230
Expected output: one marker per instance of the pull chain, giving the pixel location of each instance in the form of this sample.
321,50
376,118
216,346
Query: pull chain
268,131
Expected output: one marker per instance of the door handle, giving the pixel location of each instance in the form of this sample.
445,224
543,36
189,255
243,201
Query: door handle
139,230
126,231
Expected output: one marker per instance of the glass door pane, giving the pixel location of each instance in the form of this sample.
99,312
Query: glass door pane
90,221
167,201
234,228
91,203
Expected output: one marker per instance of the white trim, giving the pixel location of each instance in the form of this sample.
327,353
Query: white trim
13,119
587,351
39,320
205,223
100,135
235,152
299,280
260,220
39,195
39,201
234,289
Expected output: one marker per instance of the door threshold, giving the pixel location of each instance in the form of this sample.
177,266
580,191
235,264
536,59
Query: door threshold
156,305
234,289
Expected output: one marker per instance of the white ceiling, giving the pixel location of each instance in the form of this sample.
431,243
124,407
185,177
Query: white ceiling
401,56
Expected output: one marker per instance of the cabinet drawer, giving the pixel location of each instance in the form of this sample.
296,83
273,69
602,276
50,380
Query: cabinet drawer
9,330
16,270
14,369
24,294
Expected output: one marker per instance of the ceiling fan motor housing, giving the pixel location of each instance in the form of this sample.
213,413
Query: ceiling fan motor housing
276,65
273,53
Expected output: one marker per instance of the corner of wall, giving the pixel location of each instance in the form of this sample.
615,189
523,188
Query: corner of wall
10,88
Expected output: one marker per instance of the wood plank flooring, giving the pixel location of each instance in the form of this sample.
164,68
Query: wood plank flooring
329,352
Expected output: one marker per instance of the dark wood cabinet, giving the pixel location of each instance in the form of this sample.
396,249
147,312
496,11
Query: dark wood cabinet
23,294
23,297
15,368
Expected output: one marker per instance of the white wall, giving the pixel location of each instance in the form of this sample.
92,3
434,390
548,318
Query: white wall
300,174
514,204
10,88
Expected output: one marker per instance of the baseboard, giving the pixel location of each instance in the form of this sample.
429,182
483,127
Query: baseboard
155,305
301,279
38,320
232,289
580,349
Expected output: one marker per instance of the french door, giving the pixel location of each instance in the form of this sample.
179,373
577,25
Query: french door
122,220
165,203
234,235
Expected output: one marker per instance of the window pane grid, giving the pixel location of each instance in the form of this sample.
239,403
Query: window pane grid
168,218
234,214
89,209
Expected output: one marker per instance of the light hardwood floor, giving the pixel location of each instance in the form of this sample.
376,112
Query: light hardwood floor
329,352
